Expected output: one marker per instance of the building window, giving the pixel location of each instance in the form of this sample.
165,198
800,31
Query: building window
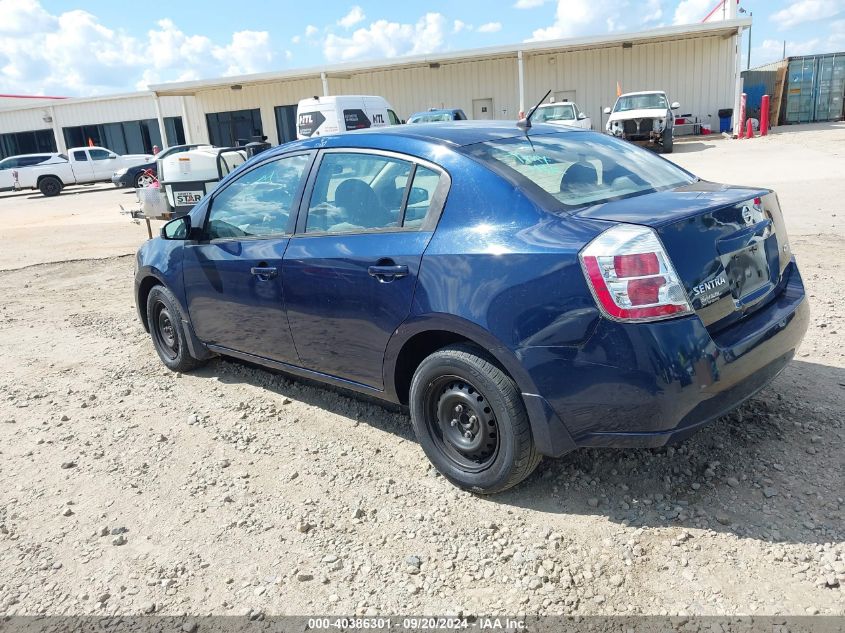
33,142
174,130
286,123
125,137
226,129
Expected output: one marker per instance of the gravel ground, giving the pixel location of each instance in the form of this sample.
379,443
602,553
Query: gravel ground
128,489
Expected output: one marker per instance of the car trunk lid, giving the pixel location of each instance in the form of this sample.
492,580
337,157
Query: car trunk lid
728,244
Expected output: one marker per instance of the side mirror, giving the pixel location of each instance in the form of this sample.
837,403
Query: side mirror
675,105
112,155
581,116
607,110
177,229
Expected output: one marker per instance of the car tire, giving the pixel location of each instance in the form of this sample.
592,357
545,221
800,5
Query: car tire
487,446
50,186
667,141
143,180
164,318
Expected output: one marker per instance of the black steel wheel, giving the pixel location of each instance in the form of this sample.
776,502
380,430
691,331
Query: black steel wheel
470,420
462,423
163,331
164,320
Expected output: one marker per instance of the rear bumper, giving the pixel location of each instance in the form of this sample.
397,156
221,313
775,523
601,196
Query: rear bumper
654,383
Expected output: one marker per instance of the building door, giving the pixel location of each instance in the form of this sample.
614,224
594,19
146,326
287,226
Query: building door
565,95
482,109
286,123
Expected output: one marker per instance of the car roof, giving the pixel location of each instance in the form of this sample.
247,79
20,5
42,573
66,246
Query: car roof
437,111
454,133
644,92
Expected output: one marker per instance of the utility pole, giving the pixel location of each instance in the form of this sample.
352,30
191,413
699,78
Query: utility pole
750,15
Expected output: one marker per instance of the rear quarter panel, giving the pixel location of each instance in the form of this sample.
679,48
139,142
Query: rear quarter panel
502,270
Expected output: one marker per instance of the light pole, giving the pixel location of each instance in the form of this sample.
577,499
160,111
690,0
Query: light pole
748,59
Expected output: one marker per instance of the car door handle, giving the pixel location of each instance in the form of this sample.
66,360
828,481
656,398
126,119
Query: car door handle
387,273
264,273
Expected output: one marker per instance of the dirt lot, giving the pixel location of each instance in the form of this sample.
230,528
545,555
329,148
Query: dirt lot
128,489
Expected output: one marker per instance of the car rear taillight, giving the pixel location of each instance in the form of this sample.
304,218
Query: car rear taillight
631,275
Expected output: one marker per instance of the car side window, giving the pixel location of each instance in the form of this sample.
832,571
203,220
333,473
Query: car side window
394,120
80,156
99,154
356,192
421,196
259,203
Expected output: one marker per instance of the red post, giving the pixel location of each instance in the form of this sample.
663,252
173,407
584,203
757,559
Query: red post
742,103
749,132
764,115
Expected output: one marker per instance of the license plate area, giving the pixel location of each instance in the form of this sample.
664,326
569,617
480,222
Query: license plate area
747,270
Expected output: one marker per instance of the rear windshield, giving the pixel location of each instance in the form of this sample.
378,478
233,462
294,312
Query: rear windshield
578,169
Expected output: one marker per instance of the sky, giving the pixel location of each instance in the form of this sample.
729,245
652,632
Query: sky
65,48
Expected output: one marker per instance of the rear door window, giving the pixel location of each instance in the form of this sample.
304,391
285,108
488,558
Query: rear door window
421,196
80,156
356,192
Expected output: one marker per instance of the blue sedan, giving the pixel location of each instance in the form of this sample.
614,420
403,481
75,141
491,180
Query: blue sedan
524,293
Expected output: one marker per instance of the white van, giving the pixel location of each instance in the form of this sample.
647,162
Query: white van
319,116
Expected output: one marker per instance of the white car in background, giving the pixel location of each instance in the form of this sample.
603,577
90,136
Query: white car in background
562,113
643,117
81,165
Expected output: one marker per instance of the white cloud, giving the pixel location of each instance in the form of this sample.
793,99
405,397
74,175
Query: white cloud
72,53
807,11
582,17
490,27
652,11
296,39
25,16
460,25
355,15
311,30
692,11
528,4
388,39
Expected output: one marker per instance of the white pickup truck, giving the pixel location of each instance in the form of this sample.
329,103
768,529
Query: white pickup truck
81,165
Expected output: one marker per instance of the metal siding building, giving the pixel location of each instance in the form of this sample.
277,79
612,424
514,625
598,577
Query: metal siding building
60,115
697,65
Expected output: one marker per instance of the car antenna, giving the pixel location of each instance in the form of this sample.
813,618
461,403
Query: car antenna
525,123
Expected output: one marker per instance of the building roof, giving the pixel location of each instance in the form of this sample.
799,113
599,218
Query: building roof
29,97
685,31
